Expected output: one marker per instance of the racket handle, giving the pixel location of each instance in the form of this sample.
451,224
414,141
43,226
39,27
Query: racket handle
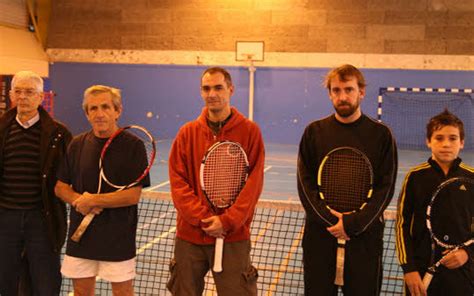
339,280
427,279
218,252
86,221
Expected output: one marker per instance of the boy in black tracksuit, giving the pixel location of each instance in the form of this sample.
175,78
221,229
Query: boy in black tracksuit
445,138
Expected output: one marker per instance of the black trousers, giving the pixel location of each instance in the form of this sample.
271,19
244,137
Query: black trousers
455,282
24,232
362,266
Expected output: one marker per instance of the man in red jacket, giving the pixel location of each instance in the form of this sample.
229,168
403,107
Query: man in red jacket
197,225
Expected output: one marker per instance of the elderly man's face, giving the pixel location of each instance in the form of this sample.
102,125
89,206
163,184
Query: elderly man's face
26,97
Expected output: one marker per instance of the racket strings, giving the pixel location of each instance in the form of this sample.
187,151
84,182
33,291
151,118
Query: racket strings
224,175
450,213
147,140
114,155
346,180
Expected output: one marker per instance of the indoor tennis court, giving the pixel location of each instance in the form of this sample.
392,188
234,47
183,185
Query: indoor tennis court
417,58
276,231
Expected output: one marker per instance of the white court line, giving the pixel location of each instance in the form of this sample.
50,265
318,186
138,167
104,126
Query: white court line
157,186
145,226
280,181
154,220
284,166
267,168
157,239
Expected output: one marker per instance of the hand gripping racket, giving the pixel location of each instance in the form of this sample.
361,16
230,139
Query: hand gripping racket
223,173
345,182
149,146
449,219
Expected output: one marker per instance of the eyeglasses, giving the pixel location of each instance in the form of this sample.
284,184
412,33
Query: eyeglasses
29,92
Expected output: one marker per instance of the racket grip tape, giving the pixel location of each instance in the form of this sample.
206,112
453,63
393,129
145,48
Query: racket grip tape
218,252
427,279
339,280
86,221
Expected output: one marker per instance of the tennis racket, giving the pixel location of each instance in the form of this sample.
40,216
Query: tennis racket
345,182
223,173
104,163
449,219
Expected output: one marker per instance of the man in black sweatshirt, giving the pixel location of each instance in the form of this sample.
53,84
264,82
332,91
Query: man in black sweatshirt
363,229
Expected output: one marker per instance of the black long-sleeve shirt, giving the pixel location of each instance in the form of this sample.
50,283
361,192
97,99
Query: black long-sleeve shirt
413,238
365,134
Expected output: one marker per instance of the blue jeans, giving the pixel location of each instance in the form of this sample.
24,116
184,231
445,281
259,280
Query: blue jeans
25,230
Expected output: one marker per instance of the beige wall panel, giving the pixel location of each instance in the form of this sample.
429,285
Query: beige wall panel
408,32
415,46
152,43
294,44
272,59
98,13
399,32
397,4
450,32
93,4
300,31
355,46
404,17
338,5
133,15
299,17
20,50
336,17
460,47
461,18
13,13
11,65
457,4
351,32
126,29
159,29
105,41
278,4
196,42
244,17
193,17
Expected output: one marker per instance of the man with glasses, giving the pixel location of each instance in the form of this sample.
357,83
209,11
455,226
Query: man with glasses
32,219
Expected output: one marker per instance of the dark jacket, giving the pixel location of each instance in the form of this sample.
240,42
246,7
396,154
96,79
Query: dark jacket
375,140
413,237
54,140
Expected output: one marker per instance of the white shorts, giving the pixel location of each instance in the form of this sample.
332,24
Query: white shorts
115,272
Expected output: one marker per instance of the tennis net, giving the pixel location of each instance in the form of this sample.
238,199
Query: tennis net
277,231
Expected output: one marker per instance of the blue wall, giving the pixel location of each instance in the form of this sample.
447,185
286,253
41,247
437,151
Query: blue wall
286,99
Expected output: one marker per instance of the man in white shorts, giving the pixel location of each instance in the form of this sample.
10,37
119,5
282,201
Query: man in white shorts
107,248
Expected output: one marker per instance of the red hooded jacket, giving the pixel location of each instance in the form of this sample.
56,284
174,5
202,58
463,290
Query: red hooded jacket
189,147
